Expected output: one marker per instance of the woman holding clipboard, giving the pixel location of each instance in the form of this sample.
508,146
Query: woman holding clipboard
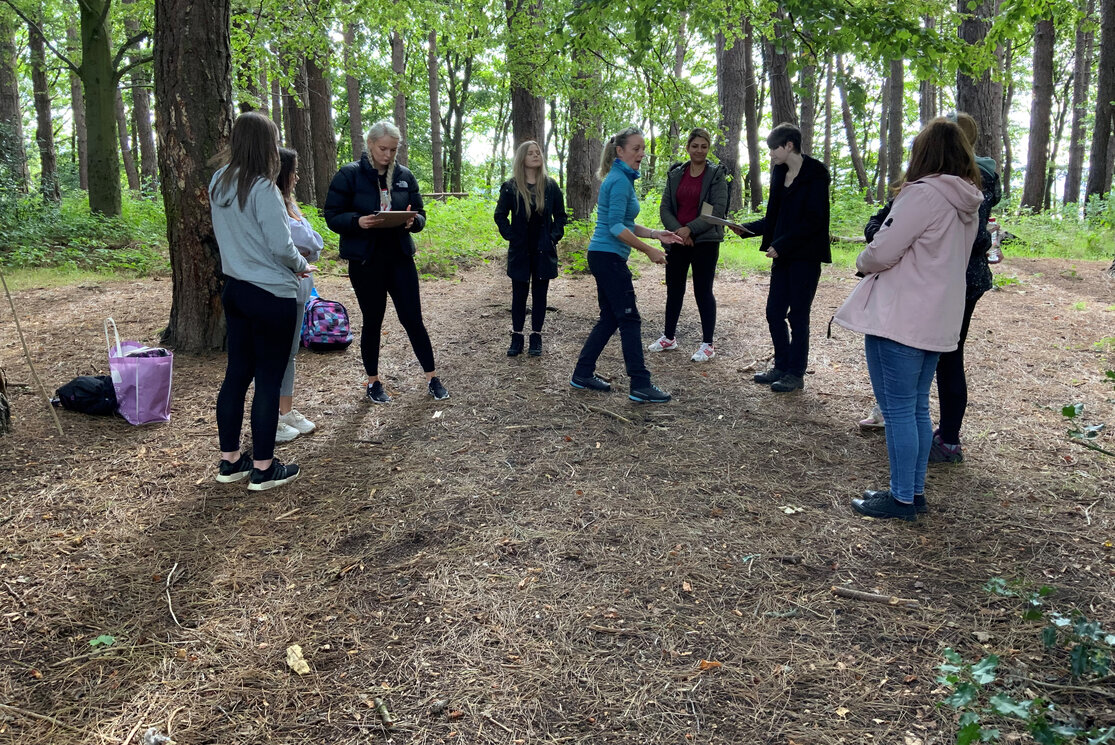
380,251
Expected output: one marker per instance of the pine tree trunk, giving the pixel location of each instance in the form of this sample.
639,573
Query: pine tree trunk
927,91
44,129
781,91
895,148
352,96
528,111
77,105
125,143
982,97
141,114
277,105
673,145
1082,70
1058,133
1099,174
296,115
99,81
433,74
808,82
731,86
263,87
752,183
850,132
193,94
324,138
884,128
399,72
13,157
829,82
585,128
1037,156
1008,99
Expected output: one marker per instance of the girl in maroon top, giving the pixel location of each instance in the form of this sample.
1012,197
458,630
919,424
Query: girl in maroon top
689,186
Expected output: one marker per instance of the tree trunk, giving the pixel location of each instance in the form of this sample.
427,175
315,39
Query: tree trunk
679,70
458,100
753,183
141,113
264,88
528,110
1099,175
299,135
277,105
829,81
927,90
399,73
193,95
99,81
982,97
432,73
1008,99
558,135
352,95
884,142
1082,70
77,105
731,86
850,132
895,147
324,138
1059,131
808,81
125,143
781,91
13,157
1037,156
585,127
44,129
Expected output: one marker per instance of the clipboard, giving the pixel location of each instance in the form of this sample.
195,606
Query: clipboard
707,216
394,219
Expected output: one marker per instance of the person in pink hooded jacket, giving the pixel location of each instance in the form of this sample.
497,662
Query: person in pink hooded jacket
910,304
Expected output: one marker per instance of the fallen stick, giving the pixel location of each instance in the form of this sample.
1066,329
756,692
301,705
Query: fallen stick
605,412
27,354
169,604
383,712
610,630
872,597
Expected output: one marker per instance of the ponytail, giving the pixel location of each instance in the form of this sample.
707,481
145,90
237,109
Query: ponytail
608,154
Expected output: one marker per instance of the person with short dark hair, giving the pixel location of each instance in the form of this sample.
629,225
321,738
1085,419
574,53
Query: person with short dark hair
689,187
795,234
616,233
262,268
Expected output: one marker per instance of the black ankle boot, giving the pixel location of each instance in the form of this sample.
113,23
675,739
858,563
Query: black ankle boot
535,349
516,347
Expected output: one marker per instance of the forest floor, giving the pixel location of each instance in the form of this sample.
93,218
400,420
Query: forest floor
526,563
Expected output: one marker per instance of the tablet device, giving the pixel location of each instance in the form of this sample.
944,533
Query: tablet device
394,219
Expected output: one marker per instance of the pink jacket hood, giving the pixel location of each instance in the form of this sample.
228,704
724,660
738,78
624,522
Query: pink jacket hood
914,283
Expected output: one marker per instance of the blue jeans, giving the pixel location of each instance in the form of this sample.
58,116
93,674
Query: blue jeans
616,295
901,377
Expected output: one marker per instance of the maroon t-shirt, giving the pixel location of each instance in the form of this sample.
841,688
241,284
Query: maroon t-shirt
688,197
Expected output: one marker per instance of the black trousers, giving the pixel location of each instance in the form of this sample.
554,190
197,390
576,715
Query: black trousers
538,288
702,257
793,284
260,334
616,294
391,273
952,385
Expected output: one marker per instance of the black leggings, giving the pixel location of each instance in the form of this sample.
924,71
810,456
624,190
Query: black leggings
793,285
952,385
389,272
538,289
260,334
703,258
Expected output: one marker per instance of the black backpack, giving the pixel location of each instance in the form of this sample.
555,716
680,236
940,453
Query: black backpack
89,394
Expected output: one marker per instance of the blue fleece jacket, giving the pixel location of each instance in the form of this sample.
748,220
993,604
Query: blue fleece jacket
616,210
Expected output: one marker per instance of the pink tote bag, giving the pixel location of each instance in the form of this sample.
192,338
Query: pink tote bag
142,377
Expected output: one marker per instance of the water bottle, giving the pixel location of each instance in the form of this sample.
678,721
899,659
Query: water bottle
995,253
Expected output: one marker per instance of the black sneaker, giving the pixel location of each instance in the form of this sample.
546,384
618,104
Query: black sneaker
788,382
376,394
516,347
535,349
920,505
276,475
229,472
649,394
594,383
884,506
770,376
437,390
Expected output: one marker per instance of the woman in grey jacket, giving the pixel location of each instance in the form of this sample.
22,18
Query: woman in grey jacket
690,186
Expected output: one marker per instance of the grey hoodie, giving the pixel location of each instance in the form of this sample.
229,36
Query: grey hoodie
914,283
255,242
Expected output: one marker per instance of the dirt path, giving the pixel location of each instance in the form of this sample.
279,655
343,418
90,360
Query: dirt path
524,563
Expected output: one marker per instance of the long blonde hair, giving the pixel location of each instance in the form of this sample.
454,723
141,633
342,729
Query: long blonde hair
519,172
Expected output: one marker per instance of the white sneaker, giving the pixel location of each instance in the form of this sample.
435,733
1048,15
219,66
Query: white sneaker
705,353
294,418
285,433
663,344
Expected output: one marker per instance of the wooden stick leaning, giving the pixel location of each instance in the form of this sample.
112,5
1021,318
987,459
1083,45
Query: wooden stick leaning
872,597
27,354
